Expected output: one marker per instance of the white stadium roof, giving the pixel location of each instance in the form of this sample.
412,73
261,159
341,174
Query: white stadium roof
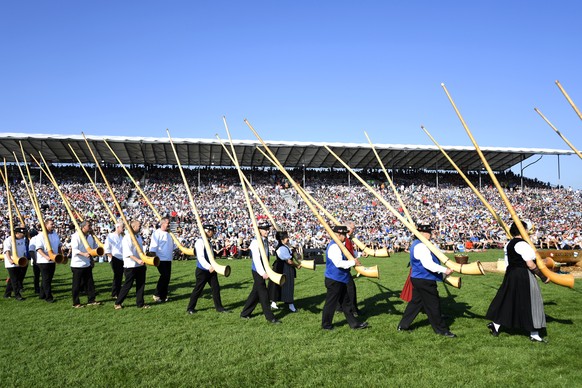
209,152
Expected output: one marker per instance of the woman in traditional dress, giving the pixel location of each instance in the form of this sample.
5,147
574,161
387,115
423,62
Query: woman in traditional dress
283,264
518,303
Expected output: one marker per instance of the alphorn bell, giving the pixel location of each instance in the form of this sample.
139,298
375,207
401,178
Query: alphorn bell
183,249
149,260
56,257
563,280
220,269
359,268
20,261
94,252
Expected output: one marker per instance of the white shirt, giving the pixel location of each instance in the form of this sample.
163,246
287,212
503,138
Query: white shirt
200,249
334,253
77,247
113,245
422,253
523,249
256,255
55,242
163,245
130,250
20,250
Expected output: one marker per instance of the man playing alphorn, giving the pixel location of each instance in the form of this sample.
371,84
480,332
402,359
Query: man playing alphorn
205,273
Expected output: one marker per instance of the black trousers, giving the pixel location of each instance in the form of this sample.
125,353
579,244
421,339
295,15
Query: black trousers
83,279
425,296
336,293
35,274
350,301
202,278
117,267
47,272
14,282
258,294
165,270
137,274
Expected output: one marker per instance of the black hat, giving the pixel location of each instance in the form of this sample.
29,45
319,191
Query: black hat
340,229
209,227
20,230
264,225
281,235
425,228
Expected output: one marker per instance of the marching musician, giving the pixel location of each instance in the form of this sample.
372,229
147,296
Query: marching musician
205,273
350,301
518,303
34,237
114,251
15,271
259,293
47,266
134,268
425,272
283,264
337,274
163,246
82,265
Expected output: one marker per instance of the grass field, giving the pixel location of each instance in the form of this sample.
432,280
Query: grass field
56,345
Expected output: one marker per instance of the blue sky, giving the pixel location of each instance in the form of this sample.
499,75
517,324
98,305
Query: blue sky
298,70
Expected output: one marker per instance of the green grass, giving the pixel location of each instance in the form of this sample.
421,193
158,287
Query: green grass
56,345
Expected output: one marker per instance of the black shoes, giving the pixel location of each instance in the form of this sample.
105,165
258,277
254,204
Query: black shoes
408,330
245,317
448,334
329,328
275,321
361,325
494,332
20,298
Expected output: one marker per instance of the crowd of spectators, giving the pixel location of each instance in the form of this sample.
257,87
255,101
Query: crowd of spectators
461,221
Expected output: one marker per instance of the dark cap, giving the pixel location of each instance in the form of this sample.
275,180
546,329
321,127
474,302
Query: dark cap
264,225
20,230
209,227
425,228
340,229
281,235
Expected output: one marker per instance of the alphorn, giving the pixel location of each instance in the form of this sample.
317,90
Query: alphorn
559,133
15,209
364,271
275,277
95,252
183,249
477,193
149,260
381,253
111,215
20,261
563,280
475,268
20,217
56,257
452,280
569,99
301,263
221,269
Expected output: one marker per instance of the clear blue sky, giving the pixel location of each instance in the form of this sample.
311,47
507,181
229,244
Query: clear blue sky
298,70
